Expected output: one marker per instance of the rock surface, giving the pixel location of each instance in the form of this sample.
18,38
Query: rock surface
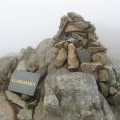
6,110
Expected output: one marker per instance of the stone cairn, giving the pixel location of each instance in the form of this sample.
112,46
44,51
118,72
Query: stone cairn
77,47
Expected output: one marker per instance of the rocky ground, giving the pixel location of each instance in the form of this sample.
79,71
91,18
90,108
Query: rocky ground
79,81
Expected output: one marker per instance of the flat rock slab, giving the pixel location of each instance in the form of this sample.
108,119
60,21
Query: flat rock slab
14,98
6,110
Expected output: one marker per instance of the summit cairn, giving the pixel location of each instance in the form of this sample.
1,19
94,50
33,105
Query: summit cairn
78,39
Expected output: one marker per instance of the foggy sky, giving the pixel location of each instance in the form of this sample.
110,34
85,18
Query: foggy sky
27,22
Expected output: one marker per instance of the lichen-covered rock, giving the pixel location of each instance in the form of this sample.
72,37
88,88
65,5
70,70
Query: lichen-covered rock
7,112
24,114
71,97
84,55
7,66
44,53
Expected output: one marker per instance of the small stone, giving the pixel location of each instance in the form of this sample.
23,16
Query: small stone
73,62
32,63
25,114
84,55
90,67
60,44
115,100
71,28
7,112
103,75
100,57
81,25
61,58
94,44
75,35
56,50
15,99
96,49
25,97
63,23
104,88
75,17
113,91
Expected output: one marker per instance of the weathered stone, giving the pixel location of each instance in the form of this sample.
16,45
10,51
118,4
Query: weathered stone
44,53
32,63
96,49
14,98
94,44
71,28
100,57
61,58
115,100
113,80
75,17
7,66
81,25
84,55
103,75
73,62
56,50
92,36
24,114
90,67
25,97
104,88
6,110
21,66
113,91
60,44
75,35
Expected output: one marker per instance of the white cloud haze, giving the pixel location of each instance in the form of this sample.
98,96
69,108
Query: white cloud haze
27,22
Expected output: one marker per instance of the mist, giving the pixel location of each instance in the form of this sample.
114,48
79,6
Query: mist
27,22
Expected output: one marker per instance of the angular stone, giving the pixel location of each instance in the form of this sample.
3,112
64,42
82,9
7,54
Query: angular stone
14,98
25,97
63,24
45,54
103,75
60,44
104,88
21,66
100,57
71,28
6,110
75,35
113,91
96,49
7,66
56,50
73,62
24,114
94,44
115,100
90,67
61,58
75,17
32,63
84,55
81,25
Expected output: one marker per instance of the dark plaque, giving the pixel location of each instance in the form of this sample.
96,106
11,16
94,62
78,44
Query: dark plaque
24,82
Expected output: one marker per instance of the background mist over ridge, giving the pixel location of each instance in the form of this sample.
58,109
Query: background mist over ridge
26,22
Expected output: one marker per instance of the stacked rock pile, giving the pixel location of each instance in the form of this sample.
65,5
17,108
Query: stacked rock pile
68,90
77,47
